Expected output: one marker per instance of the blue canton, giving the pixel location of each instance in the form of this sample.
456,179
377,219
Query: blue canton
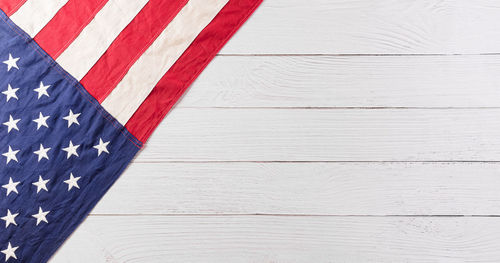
60,150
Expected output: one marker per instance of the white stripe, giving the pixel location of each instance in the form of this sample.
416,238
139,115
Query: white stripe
136,85
95,39
33,15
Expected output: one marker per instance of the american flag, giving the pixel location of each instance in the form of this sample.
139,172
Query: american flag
83,85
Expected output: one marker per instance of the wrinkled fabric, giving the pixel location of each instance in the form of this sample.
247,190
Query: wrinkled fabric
86,147
68,207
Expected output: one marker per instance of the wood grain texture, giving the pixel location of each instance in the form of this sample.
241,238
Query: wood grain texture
283,239
370,27
365,131
359,81
305,189
326,135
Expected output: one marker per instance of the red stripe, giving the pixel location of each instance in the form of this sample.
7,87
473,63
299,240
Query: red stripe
180,76
11,6
129,46
67,24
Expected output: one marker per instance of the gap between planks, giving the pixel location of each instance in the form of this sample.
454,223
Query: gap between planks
339,108
278,215
421,161
358,55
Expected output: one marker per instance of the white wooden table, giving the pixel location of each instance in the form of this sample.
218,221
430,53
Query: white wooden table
325,131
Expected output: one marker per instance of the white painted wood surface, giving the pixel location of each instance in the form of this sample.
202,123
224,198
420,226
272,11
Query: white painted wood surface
326,135
370,27
326,131
283,239
347,81
339,189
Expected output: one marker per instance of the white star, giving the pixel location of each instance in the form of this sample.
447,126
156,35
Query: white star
11,186
41,184
42,90
11,62
10,92
71,149
42,153
10,218
41,216
72,118
11,155
11,124
101,147
10,252
72,181
41,121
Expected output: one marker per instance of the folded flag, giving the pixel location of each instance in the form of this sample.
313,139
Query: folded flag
83,85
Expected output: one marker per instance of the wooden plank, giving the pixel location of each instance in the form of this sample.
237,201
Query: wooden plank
360,81
365,26
326,135
306,189
283,239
